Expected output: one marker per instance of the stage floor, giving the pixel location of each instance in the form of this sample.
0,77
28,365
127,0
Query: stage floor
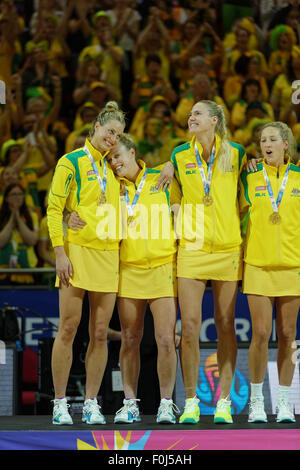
43,423
37,433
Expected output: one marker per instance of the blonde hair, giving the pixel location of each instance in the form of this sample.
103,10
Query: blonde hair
286,134
214,109
127,141
110,112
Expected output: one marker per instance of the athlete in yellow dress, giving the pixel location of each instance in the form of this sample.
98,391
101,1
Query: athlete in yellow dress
270,200
147,273
86,260
210,247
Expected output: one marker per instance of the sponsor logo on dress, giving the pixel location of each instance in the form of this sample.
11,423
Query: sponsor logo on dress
190,165
295,192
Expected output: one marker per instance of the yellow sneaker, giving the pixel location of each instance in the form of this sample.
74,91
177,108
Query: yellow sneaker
191,413
223,412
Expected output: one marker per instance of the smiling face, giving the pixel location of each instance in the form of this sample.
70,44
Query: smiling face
273,147
15,198
200,121
107,136
122,160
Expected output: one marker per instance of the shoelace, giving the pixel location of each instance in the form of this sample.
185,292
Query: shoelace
223,405
61,405
284,403
128,405
93,406
256,404
165,406
190,406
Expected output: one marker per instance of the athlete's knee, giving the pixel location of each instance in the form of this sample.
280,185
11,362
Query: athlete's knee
131,338
286,334
99,333
190,330
224,324
165,341
67,330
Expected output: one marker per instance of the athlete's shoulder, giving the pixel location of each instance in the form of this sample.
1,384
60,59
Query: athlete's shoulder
73,156
181,148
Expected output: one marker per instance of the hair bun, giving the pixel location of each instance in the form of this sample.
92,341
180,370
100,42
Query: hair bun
111,106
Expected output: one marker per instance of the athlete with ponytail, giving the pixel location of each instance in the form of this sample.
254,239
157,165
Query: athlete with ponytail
210,247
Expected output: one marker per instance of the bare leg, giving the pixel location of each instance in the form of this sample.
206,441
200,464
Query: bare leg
261,309
164,312
70,311
101,310
131,312
286,323
225,293
190,294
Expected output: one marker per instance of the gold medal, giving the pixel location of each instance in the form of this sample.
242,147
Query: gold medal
101,199
207,200
275,218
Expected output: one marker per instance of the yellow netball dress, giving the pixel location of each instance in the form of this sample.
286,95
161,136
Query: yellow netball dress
149,246
272,231
85,183
208,228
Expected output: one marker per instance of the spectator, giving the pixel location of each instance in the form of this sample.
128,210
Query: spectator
281,92
153,39
151,84
105,52
243,32
87,113
42,149
14,155
159,108
58,51
18,235
247,66
201,89
290,16
251,91
282,39
125,22
155,148
10,47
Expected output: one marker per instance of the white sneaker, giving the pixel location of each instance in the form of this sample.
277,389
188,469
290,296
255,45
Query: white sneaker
166,412
91,413
285,413
61,414
129,413
257,412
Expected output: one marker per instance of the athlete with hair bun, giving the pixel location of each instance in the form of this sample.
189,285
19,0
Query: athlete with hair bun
83,181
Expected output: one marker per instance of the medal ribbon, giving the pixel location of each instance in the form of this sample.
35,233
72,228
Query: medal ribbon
102,183
206,182
276,204
130,207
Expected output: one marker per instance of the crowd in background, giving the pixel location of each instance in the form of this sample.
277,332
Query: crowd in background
62,60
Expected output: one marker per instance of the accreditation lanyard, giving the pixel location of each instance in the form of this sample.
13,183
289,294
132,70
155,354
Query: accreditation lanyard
102,183
206,182
276,204
131,207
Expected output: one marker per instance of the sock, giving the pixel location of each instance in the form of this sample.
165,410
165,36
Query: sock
284,391
256,390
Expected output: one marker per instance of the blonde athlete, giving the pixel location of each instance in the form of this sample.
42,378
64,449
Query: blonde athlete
208,169
84,181
147,273
270,197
